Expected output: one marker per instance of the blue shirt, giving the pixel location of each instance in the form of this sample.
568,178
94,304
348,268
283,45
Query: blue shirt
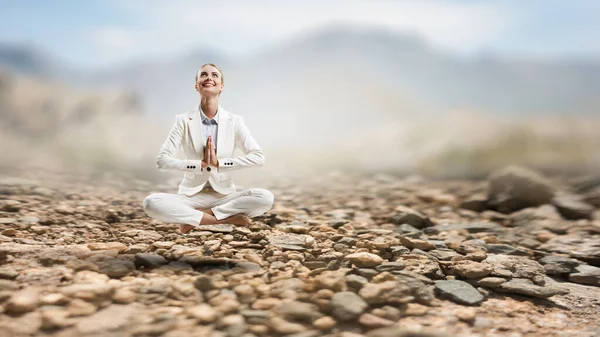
209,128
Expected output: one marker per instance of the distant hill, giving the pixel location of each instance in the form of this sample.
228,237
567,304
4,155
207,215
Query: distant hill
343,97
353,78
25,59
401,63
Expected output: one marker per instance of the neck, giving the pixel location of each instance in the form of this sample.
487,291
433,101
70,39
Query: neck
209,105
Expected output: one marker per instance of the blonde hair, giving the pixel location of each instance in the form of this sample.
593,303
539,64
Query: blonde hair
210,64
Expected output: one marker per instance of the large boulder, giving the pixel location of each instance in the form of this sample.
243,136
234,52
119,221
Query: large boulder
514,188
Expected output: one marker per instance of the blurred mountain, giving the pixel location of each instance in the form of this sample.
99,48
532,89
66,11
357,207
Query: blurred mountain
344,97
166,85
27,60
37,108
24,59
340,64
408,66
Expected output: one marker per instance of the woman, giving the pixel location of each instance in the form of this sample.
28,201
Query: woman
209,135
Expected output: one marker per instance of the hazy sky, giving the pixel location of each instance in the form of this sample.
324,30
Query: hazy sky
103,32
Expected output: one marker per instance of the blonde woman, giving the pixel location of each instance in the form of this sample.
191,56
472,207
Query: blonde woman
209,134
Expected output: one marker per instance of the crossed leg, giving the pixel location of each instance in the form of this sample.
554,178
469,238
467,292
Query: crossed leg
209,219
208,208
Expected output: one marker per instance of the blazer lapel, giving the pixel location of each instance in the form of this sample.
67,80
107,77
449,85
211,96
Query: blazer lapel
224,134
196,134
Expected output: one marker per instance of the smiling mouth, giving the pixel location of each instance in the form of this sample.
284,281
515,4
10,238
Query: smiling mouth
208,85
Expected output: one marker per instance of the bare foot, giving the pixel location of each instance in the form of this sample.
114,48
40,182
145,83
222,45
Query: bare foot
184,229
207,211
238,219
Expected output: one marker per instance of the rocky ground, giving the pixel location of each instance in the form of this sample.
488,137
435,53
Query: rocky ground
338,255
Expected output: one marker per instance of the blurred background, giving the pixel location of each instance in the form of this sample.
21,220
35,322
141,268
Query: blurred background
439,88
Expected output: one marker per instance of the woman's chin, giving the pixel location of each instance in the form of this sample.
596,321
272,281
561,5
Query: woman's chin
209,92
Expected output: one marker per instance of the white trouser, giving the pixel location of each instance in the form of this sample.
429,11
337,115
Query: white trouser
181,209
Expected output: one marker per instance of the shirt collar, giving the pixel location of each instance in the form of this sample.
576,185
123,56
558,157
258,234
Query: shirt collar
205,119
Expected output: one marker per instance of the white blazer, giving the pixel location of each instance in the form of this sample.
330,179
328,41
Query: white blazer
187,133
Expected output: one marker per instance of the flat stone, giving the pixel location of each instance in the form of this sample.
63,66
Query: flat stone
406,215
347,306
220,228
151,236
162,244
315,264
355,282
406,229
290,247
490,282
111,319
249,266
377,231
585,274
395,331
372,321
416,243
364,259
149,260
443,254
582,248
527,288
471,269
116,268
296,227
400,288
519,266
422,264
390,266
500,248
557,265
204,261
459,291
291,239
472,227
572,207
107,246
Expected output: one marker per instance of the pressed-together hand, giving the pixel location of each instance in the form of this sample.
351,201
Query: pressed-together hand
213,153
207,160
210,155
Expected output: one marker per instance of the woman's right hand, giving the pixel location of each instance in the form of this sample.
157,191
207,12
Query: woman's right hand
207,159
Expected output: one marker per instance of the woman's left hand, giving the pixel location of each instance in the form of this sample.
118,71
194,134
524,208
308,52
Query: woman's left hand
213,153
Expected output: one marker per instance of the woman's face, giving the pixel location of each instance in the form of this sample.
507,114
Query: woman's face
210,82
